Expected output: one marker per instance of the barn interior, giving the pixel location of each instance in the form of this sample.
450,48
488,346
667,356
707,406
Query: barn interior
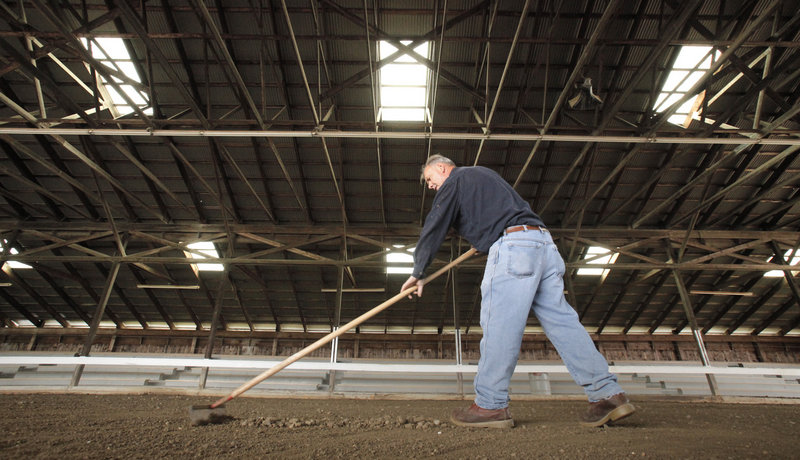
207,179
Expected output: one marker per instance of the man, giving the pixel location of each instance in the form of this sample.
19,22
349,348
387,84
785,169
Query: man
523,272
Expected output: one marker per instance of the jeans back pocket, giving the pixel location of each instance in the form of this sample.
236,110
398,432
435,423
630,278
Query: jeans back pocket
523,259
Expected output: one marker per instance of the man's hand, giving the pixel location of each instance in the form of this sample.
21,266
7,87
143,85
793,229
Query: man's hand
411,281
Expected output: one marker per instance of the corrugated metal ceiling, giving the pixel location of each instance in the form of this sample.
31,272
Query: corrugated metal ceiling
286,212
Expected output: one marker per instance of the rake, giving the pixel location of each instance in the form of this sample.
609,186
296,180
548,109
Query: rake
215,413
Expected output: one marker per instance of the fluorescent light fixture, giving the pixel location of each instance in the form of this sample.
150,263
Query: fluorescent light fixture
781,273
403,84
732,293
690,65
112,53
393,257
595,251
717,330
265,326
207,248
319,328
167,286
292,327
13,263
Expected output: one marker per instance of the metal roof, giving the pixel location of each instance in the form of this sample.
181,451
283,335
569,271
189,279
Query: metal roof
264,140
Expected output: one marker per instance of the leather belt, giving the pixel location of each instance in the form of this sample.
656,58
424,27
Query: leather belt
519,228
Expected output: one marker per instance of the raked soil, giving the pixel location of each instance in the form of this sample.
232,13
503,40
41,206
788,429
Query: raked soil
78,426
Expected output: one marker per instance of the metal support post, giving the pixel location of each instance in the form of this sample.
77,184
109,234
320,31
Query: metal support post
98,316
337,317
456,323
201,384
459,375
686,302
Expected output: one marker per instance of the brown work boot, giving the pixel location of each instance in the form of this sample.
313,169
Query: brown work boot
608,410
479,417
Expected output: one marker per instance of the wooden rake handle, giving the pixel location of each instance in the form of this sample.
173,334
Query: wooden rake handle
324,340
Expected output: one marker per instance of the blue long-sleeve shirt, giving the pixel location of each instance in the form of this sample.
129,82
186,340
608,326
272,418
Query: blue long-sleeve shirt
479,205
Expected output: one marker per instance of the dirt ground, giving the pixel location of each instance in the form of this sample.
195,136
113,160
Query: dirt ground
46,426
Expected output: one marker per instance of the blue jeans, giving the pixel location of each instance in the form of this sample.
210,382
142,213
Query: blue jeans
524,271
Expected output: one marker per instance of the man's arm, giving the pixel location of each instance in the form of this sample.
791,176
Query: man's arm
437,223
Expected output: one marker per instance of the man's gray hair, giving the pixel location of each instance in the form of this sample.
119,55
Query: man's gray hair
432,160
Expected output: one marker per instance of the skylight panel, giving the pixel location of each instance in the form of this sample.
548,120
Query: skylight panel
112,53
13,263
398,96
403,84
210,252
401,257
780,273
690,65
591,253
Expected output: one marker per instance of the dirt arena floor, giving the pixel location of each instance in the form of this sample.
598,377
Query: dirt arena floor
78,426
